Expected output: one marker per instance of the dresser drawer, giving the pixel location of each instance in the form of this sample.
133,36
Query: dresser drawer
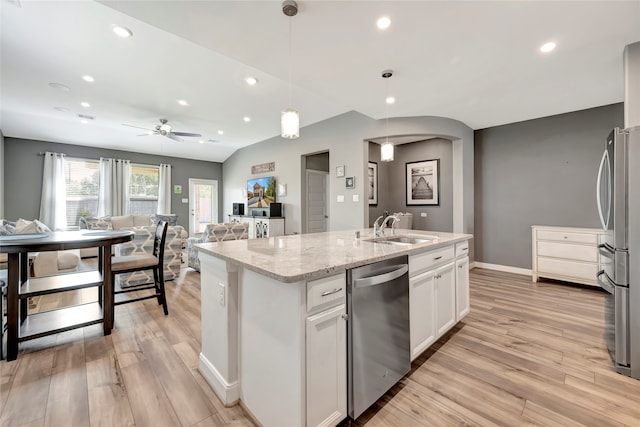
568,251
570,237
569,270
425,261
462,249
326,292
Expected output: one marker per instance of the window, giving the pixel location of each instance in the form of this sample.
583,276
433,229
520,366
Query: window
82,179
145,182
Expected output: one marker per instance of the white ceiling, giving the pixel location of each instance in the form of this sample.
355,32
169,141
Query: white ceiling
475,61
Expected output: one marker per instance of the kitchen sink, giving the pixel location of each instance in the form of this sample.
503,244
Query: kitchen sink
403,239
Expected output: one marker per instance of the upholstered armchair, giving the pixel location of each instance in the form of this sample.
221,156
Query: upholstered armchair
214,233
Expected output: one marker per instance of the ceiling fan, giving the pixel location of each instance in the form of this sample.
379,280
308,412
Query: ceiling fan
165,130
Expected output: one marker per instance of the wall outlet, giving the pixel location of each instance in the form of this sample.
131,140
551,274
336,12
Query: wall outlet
356,197
221,294
185,200
340,198
423,214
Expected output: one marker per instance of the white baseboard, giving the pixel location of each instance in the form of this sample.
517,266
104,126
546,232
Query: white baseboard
229,393
505,268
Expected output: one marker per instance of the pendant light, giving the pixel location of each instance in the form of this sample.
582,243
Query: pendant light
386,150
290,120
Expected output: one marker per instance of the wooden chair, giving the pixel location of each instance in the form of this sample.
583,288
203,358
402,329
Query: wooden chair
155,262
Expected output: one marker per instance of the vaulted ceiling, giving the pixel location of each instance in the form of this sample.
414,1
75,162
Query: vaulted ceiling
475,61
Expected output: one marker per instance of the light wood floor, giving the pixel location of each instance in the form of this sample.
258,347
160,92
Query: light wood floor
528,354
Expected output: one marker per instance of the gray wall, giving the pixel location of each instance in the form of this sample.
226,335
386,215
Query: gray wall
1,174
439,218
23,169
537,172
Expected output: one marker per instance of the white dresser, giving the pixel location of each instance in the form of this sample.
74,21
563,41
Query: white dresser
566,253
261,227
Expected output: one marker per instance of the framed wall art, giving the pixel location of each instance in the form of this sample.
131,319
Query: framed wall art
372,174
350,182
423,183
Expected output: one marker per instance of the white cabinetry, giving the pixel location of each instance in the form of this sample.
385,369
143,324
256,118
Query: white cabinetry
566,253
326,350
462,287
261,227
432,297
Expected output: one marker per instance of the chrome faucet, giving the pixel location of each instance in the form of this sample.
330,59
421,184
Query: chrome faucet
377,231
394,224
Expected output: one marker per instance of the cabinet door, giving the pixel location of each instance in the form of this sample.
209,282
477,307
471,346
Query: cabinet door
327,367
422,312
462,287
445,284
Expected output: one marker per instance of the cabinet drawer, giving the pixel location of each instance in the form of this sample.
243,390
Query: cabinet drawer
571,237
326,292
568,269
462,249
568,251
422,262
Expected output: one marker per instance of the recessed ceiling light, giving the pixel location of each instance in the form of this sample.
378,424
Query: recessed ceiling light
59,86
121,31
383,23
251,81
88,78
61,109
220,132
247,119
390,100
547,47
183,102
84,122
201,142
85,104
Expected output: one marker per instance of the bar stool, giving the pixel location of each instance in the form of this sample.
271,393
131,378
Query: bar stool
155,262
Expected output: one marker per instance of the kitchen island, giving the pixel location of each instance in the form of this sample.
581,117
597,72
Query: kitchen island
273,315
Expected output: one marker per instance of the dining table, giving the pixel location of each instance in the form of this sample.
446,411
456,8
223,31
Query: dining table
21,325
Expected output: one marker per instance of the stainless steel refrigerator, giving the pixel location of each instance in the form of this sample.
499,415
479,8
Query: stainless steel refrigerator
618,198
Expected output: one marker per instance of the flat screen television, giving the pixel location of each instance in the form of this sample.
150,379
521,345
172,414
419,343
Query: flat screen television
261,192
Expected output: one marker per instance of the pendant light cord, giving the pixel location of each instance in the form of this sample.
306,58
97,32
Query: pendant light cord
289,62
387,109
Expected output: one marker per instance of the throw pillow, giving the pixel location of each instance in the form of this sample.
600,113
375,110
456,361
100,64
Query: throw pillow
119,222
93,223
7,228
41,227
24,226
170,219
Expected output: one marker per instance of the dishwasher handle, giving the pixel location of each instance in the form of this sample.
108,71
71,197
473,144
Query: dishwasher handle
381,278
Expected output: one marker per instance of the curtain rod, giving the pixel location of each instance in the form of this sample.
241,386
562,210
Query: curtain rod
42,153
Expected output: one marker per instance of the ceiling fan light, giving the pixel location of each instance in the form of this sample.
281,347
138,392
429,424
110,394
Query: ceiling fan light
386,152
290,124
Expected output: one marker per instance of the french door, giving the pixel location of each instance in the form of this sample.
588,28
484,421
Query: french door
203,204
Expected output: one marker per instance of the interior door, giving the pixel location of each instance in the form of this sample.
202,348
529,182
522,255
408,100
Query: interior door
203,204
317,187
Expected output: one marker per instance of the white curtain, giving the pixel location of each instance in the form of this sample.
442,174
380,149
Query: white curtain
115,176
53,201
164,190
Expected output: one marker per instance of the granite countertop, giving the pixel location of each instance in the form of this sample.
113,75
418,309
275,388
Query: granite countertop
304,257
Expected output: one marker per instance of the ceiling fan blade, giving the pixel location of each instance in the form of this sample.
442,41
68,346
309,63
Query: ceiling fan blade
172,136
137,127
186,134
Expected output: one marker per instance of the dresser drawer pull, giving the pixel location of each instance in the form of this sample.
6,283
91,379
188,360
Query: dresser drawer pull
335,291
464,249
437,258
460,266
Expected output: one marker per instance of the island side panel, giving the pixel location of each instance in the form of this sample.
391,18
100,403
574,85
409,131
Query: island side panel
219,314
272,349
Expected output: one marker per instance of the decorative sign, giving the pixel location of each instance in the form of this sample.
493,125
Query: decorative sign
264,167
177,189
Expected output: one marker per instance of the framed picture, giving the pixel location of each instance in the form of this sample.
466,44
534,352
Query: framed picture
177,189
350,182
339,171
423,183
372,174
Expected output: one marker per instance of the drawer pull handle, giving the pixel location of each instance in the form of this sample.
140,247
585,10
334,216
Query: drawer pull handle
565,237
464,249
460,266
437,258
336,290
345,316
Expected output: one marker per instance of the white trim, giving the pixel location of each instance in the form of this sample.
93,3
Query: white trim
505,268
229,393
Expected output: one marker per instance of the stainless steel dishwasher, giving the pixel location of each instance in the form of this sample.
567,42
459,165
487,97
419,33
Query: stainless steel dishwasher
378,348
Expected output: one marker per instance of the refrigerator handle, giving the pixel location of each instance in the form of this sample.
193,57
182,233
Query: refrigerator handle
606,284
605,226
